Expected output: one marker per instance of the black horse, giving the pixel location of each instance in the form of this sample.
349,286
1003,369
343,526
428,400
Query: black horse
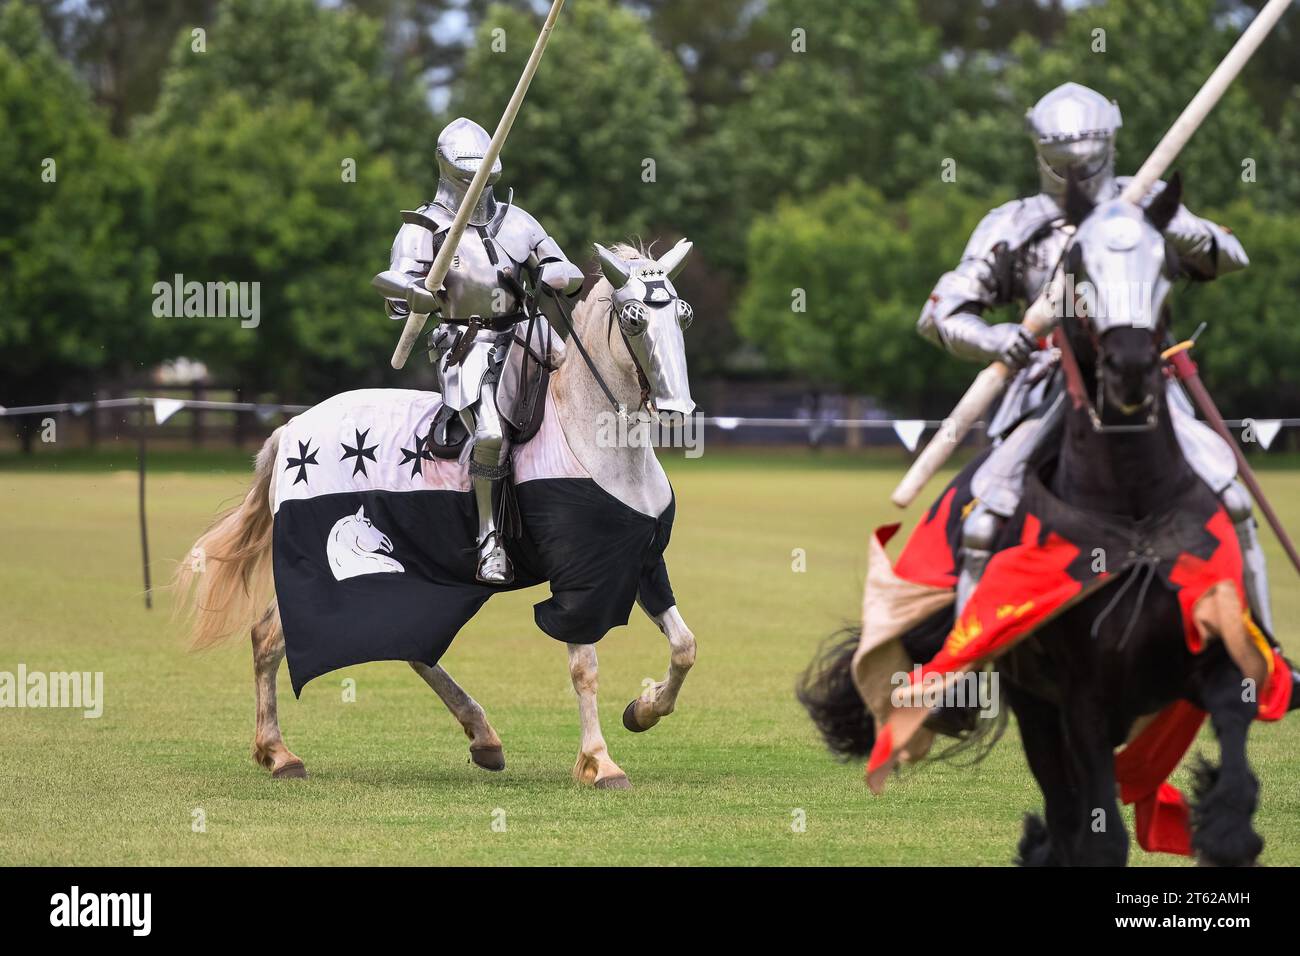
1080,684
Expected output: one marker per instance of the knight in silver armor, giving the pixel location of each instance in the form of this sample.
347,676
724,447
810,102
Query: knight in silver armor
1010,257
503,253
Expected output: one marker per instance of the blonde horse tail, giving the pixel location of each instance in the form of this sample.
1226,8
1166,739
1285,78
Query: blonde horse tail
224,583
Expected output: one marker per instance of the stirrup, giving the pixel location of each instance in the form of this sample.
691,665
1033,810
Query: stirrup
493,563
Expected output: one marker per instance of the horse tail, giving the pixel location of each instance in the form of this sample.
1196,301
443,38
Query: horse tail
224,583
828,693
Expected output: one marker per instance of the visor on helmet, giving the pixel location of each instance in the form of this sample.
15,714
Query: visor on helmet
464,165
1087,157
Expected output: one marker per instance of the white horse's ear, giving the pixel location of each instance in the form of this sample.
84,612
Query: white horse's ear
361,513
673,260
615,269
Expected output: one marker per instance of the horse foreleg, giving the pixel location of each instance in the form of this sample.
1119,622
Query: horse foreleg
594,765
1102,837
1045,844
1225,796
484,744
659,700
269,750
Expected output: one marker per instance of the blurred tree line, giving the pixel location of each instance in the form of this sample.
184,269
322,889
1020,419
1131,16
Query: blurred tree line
829,160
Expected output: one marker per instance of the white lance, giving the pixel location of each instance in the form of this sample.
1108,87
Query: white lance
442,262
1041,316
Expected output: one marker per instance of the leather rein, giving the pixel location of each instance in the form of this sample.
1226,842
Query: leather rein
644,383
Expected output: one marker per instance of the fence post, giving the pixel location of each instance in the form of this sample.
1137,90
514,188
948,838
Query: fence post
853,434
92,420
240,420
196,422
142,429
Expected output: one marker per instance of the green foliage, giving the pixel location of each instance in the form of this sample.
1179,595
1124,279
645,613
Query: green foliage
289,51
605,100
715,49
73,275
862,263
278,154
1250,352
983,134
1280,190
121,47
855,101
256,193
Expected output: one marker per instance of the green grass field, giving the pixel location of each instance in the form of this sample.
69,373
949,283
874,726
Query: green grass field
717,783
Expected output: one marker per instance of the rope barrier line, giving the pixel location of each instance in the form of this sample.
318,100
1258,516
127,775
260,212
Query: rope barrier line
81,407
725,422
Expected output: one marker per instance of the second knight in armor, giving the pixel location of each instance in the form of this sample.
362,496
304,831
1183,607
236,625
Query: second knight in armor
503,253
1010,257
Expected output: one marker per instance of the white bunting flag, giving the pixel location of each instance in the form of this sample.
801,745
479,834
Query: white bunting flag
1266,431
165,408
909,432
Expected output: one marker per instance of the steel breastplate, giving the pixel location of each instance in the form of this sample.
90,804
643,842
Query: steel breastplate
474,281
1036,262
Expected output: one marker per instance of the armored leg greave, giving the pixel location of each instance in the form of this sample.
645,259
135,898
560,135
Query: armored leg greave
1236,500
978,532
997,486
487,465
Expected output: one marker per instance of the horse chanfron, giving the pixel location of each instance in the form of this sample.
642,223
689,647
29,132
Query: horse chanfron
651,319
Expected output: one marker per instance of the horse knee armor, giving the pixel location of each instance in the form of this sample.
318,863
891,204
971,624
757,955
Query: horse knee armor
980,529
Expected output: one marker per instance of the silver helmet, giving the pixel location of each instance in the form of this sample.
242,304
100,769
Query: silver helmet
1073,128
461,147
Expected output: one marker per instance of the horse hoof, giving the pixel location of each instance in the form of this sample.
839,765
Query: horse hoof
614,783
489,758
290,771
630,721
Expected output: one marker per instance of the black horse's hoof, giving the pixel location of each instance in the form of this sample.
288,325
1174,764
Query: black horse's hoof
955,722
291,771
1035,847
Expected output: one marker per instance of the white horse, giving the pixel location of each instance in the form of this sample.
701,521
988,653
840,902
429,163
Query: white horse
644,364
355,545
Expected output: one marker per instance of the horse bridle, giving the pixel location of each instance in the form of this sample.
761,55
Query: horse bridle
643,382
1078,392
1074,383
